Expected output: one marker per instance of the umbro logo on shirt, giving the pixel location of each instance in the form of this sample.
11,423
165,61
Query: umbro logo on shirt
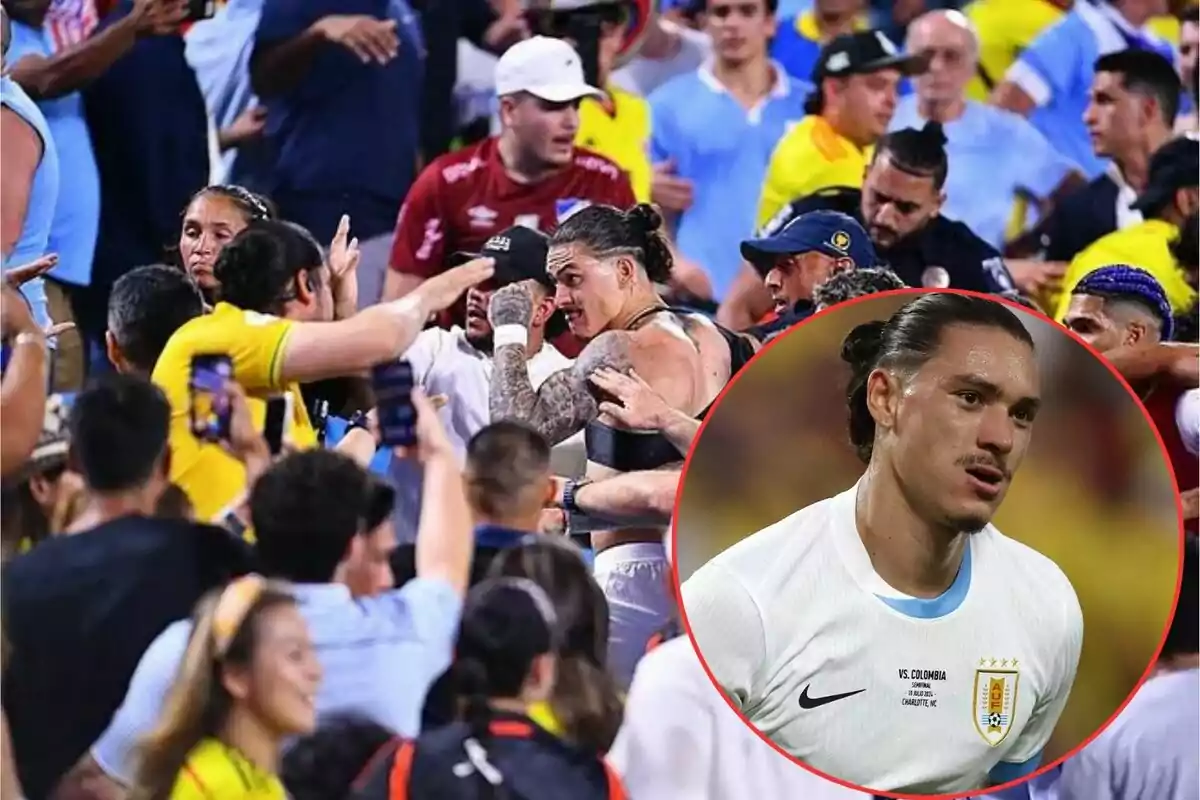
816,702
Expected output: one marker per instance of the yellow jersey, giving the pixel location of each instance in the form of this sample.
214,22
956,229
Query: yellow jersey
811,156
215,771
1007,27
255,342
1145,245
620,132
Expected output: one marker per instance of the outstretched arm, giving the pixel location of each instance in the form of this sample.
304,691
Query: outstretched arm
563,404
1178,361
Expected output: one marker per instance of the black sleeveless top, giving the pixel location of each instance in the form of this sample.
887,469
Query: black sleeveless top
632,451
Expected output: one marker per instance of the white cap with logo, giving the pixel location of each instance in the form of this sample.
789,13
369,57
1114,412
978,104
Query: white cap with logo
543,67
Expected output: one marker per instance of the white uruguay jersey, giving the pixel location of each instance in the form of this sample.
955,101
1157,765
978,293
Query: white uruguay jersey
680,741
887,691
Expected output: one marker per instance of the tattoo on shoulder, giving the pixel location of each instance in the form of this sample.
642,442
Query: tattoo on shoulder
610,349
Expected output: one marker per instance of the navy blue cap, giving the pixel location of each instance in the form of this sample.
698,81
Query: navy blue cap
829,232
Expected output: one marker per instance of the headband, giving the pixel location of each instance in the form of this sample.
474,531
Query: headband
232,607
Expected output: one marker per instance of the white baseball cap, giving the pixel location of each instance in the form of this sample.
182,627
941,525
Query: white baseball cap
543,67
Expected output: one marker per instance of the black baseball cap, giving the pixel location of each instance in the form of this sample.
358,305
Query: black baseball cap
1173,166
519,253
859,53
862,53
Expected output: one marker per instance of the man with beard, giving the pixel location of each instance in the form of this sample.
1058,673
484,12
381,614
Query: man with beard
900,207
870,622
457,363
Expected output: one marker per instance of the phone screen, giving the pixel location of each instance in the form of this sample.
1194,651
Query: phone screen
279,409
210,406
393,386
201,9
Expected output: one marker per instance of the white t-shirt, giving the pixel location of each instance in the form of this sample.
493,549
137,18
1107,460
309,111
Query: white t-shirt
886,691
444,362
1187,420
643,75
680,741
1150,752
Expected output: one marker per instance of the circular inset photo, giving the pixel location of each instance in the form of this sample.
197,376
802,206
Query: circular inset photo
928,543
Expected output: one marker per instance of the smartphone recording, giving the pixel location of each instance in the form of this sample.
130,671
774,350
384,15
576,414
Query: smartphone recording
275,423
210,407
393,386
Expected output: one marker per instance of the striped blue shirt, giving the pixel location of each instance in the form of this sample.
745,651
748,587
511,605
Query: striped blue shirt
379,656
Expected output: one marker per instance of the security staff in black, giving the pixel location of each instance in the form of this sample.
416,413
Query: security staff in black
900,204
504,667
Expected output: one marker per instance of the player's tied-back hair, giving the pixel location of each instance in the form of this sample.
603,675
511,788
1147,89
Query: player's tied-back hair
906,341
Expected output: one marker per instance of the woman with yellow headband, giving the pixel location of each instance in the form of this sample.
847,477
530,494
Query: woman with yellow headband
248,681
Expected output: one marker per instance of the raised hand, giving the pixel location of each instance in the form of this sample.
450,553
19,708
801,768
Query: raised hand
343,251
442,291
511,305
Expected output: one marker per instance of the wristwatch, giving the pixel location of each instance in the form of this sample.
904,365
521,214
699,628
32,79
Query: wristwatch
359,420
568,500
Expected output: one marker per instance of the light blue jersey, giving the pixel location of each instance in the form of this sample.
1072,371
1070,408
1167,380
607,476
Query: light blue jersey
724,150
1057,68
39,213
77,210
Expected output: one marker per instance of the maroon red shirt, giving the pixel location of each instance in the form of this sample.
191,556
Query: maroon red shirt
463,198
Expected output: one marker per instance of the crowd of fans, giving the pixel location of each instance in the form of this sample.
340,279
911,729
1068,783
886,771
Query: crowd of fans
575,224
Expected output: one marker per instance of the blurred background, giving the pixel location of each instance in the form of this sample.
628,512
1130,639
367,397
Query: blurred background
1094,493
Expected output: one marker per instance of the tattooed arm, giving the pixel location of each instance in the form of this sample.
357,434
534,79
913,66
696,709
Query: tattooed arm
563,404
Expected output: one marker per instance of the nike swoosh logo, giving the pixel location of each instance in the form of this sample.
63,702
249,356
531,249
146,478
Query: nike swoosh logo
816,702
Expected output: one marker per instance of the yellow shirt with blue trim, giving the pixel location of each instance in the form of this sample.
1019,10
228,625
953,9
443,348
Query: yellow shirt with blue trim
255,343
621,132
1146,245
216,771
810,157
1007,27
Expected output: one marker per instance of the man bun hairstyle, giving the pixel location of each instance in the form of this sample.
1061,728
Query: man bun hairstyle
918,152
646,223
906,341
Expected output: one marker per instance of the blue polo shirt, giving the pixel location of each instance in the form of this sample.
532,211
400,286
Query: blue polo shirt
724,150
1056,71
149,130
77,212
346,137
993,153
